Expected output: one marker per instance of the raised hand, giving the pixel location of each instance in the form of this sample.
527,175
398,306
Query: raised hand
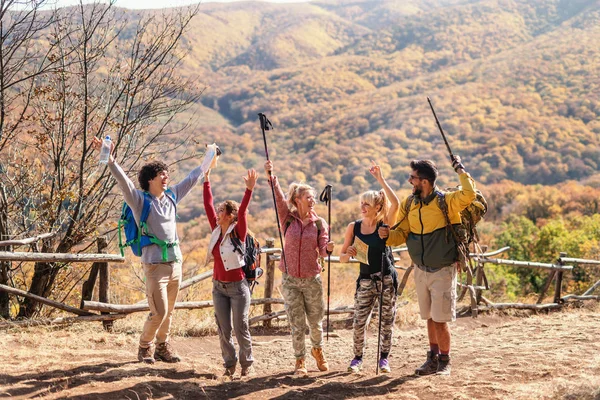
375,170
251,178
269,167
457,164
97,144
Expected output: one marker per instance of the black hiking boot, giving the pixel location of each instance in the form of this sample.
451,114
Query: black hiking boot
146,354
164,352
430,366
443,365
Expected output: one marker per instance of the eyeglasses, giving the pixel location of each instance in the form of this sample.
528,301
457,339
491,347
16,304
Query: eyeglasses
411,177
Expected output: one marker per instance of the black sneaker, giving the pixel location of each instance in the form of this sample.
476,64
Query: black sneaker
430,366
443,365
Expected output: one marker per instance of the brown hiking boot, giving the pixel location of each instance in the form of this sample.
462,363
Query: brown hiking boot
430,366
300,367
443,364
146,354
164,352
247,371
229,372
317,353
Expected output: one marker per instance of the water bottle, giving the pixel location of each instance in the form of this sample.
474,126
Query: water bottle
105,150
212,151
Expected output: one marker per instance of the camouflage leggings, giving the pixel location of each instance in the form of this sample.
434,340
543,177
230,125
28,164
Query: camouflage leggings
367,293
304,301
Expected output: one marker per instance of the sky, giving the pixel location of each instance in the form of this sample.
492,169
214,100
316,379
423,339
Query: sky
144,4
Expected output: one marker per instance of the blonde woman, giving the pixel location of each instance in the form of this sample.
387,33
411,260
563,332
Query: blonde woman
305,237
376,208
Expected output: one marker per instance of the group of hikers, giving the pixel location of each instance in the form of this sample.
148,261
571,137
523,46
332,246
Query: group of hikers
421,221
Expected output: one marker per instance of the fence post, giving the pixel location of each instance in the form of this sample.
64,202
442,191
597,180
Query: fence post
269,281
559,275
87,290
104,284
479,277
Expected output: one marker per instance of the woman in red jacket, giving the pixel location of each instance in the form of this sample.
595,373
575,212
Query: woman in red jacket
306,238
231,293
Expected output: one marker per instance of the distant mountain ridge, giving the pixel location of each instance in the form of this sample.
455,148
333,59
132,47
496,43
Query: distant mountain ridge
515,84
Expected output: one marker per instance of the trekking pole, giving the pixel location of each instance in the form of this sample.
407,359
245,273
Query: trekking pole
265,125
326,198
437,121
383,258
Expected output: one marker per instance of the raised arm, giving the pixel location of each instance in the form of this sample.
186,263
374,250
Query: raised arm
209,207
132,196
390,217
282,208
241,227
459,200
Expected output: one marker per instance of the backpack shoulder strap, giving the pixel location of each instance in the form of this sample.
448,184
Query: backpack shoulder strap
407,205
441,197
145,209
287,223
237,242
319,223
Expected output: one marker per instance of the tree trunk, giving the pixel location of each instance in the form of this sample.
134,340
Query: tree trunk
4,265
42,281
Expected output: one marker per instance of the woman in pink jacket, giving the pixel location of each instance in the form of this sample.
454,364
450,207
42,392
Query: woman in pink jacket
305,236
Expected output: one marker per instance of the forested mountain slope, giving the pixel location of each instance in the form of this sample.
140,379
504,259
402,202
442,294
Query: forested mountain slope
515,84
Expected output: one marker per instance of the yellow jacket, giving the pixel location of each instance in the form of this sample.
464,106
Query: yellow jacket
424,230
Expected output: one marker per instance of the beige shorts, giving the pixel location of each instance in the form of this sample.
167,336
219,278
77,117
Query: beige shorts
436,292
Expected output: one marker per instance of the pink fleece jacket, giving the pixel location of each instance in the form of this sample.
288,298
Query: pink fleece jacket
302,246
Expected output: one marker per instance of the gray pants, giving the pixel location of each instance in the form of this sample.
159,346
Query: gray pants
304,301
233,298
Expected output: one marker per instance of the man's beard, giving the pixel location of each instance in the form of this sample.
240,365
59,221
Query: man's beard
416,191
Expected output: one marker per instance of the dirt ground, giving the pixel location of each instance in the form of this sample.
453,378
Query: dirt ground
543,356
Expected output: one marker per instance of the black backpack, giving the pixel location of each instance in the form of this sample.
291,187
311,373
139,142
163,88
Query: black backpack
250,249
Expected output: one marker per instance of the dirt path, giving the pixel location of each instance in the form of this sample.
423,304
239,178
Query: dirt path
551,356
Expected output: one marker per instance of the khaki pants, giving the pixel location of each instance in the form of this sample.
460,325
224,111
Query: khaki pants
162,287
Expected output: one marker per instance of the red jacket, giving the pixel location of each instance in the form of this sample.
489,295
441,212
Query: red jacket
241,228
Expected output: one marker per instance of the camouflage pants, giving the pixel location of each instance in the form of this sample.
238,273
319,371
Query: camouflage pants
367,293
304,301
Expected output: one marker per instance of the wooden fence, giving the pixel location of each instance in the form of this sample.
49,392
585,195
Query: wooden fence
476,284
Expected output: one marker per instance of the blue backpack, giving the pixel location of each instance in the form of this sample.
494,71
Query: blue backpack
139,237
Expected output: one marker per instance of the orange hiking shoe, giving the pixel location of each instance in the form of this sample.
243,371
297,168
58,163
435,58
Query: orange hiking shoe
300,367
317,353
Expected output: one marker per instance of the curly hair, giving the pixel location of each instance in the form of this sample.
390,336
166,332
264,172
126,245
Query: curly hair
149,172
231,208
